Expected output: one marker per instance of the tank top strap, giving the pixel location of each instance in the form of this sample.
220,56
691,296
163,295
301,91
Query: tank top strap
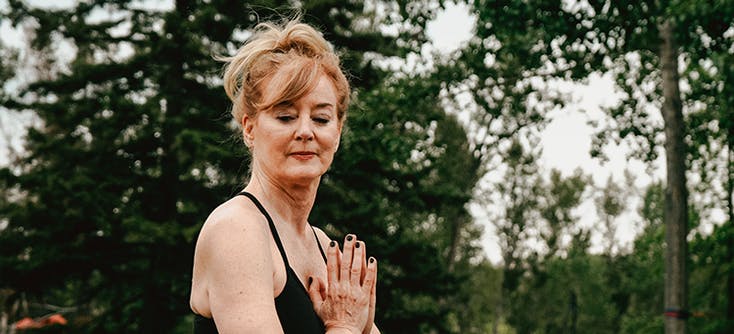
273,230
323,255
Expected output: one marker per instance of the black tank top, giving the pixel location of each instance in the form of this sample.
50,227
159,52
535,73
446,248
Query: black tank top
293,305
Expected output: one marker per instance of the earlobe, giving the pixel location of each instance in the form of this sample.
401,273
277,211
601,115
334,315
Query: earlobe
247,138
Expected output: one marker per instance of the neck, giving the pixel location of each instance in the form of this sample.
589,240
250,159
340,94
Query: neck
287,203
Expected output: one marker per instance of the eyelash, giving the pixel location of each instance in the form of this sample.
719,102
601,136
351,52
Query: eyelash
285,118
319,120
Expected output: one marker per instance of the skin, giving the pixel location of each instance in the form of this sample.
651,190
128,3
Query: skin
238,270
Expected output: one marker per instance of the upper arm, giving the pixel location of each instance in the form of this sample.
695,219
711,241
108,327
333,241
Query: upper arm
238,269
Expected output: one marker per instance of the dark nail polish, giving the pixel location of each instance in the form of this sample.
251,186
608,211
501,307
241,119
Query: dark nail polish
310,280
332,243
372,260
357,245
349,237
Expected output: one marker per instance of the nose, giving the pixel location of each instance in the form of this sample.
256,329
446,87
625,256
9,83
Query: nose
304,131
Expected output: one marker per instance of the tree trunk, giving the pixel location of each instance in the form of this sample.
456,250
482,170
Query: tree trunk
457,222
676,204
573,308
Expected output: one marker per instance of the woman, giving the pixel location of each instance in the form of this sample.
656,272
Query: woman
259,266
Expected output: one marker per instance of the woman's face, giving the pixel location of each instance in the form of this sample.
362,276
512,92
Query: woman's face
295,142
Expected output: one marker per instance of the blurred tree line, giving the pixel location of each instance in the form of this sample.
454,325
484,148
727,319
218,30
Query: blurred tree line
133,148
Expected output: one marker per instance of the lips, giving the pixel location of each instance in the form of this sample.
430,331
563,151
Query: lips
303,155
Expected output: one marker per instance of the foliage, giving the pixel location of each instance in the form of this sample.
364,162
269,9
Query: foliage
568,40
540,270
7,58
643,270
478,310
572,293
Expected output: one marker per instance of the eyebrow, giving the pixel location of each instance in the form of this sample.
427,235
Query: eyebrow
324,105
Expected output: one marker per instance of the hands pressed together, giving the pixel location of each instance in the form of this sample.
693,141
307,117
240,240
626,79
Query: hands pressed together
347,300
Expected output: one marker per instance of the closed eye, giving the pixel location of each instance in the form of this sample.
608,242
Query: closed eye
321,120
285,118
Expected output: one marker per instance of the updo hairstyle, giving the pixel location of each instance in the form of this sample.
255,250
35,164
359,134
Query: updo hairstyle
291,58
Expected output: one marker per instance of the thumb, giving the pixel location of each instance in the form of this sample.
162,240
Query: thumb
314,292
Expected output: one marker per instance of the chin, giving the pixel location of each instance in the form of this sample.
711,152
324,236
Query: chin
305,176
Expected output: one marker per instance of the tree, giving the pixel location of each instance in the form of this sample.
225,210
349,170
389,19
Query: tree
537,213
133,151
640,43
644,268
117,178
558,199
610,204
658,32
515,225
476,308
711,148
8,61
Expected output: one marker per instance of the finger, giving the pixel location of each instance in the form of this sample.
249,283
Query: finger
370,279
364,263
373,297
332,263
346,263
355,276
314,292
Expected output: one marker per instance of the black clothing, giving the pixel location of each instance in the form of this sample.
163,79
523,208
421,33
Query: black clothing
293,305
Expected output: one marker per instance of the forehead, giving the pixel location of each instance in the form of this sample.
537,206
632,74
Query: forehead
316,89
323,92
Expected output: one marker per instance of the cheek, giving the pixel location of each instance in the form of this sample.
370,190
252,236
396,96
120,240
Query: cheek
333,143
269,143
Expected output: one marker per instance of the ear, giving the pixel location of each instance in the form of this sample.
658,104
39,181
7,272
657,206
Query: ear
248,125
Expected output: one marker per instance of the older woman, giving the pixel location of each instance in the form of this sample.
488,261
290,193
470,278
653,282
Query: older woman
259,266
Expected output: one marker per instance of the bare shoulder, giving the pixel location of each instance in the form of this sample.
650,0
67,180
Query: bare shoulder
232,259
231,224
233,270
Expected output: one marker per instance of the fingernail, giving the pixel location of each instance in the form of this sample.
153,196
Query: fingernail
357,245
372,260
310,280
332,243
349,237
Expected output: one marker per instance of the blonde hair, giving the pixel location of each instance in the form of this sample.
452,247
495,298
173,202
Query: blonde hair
290,58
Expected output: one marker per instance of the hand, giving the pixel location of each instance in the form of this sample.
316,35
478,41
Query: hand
347,301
